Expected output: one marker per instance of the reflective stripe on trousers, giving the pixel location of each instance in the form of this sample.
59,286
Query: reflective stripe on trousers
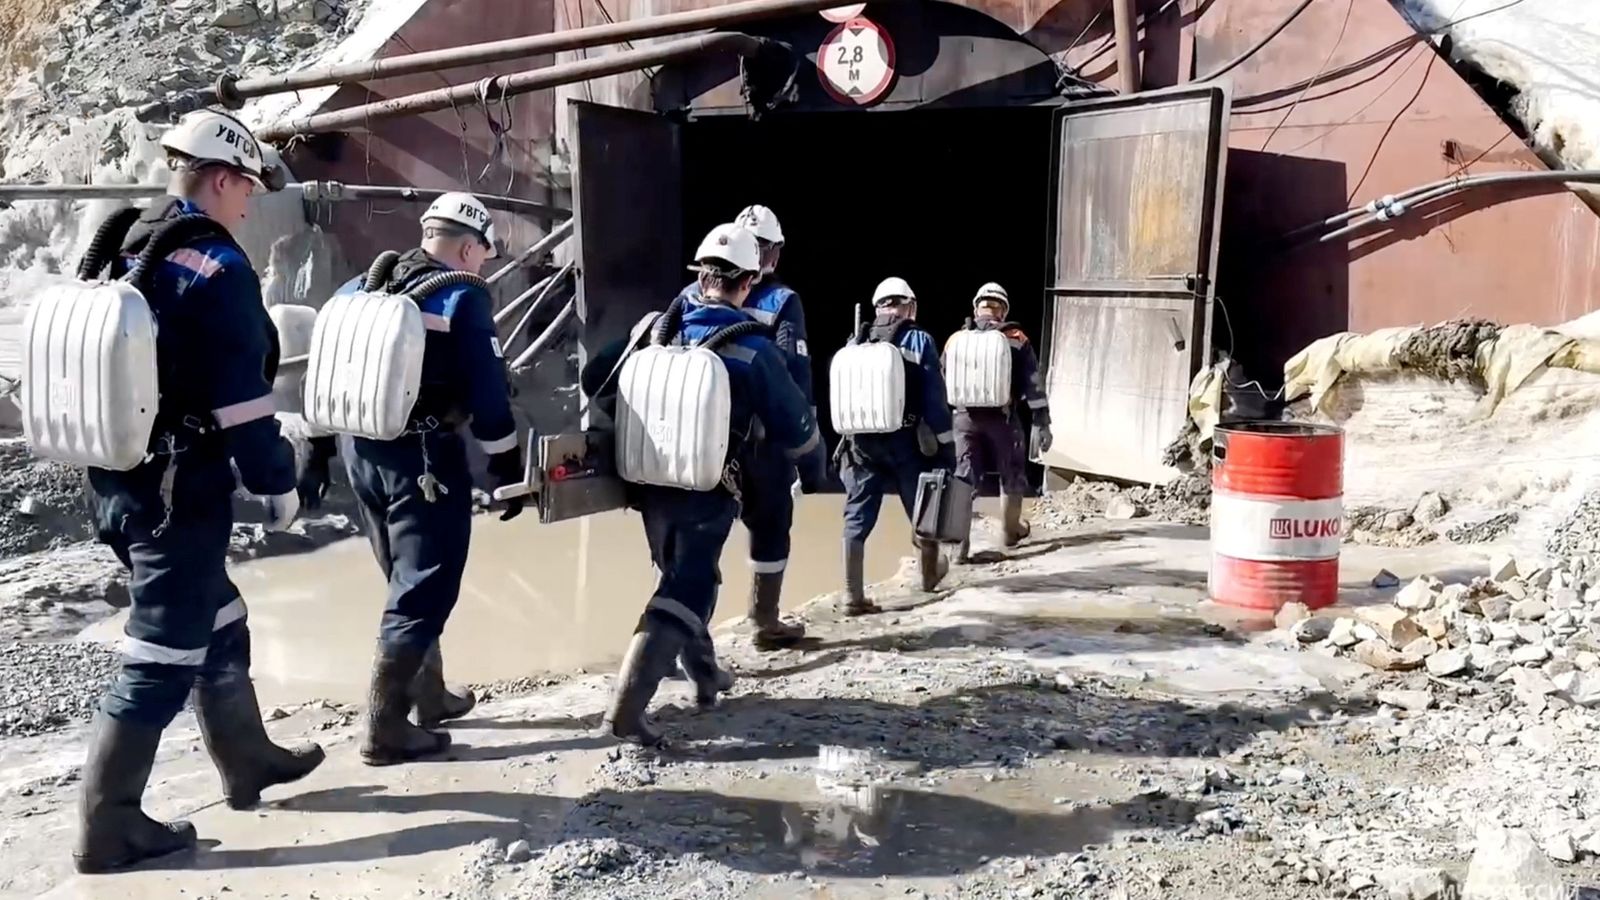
139,651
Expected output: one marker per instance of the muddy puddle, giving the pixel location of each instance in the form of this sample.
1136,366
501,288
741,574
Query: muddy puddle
852,826
536,598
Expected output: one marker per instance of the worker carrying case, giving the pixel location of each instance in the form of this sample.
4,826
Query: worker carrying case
943,511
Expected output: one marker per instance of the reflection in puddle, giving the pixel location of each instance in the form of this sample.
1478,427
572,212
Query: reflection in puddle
851,824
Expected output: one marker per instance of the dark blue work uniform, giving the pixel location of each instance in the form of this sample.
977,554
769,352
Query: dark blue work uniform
686,529
768,507
874,464
991,439
416,490
169,518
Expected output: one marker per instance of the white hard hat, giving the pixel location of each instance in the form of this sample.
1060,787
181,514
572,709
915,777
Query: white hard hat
464,209
731,243
763,222
992,291
208,136
892,287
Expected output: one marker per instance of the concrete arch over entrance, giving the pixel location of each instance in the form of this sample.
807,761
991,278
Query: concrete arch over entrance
947,55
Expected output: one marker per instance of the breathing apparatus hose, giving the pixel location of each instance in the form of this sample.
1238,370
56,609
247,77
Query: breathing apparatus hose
443,280
668,324
741,329
171,236
106,241
378,272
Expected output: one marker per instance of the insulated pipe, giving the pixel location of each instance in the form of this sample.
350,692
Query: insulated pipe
549,335
316,191
232,92
1458,182
544,244
499,86
1395,207
1125,20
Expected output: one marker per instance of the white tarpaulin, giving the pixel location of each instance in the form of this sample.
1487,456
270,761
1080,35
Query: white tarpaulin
1549,50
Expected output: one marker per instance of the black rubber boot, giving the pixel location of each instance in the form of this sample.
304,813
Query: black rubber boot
699,661
230,723
931,565
113,832
434,701
855,589
391,738
772,632
649,659
1016,530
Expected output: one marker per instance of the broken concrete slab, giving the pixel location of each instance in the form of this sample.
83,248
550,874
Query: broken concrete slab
1391,624
1422,646
1290,614
1422,593
1495,609
1489,662
1433,623
1531,655
1381,656
1508,865
1343,633
1411,701
1530,610
1532,681
1448,662
1313,630
1502,567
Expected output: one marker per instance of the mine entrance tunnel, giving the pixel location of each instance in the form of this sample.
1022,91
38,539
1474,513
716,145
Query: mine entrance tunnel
1099,215
947,199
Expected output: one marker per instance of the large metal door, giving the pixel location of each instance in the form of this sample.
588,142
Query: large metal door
627,197
1133,248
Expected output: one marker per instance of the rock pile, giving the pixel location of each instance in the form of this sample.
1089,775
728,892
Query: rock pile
107,54
1538,629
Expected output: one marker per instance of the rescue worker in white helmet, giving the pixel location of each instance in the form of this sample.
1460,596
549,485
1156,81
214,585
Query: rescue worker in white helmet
687,528
768,501
169,519
416,490
988,405
872,464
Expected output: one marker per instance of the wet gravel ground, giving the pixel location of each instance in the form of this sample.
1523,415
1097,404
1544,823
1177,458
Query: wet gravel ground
46,686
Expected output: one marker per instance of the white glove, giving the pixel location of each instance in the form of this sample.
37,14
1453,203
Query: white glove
794,490
281,509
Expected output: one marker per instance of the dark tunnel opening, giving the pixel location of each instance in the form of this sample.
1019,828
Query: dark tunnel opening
947,199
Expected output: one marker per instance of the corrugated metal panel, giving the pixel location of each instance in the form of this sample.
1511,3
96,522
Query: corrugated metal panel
626,199
1133,249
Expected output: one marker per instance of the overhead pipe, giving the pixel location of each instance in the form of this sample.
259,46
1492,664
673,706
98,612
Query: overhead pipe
499,86
1392,207
550,333
1125,22
1579,176
232,92
315,191
540,247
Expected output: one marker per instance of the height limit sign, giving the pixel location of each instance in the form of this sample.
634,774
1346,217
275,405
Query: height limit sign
856,62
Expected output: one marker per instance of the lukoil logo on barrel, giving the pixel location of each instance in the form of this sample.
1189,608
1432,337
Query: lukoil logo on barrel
1288,529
